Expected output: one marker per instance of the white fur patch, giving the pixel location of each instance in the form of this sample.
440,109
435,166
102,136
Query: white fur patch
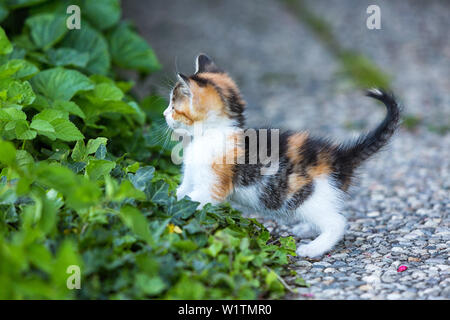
321,210
198,176
247,197
375,92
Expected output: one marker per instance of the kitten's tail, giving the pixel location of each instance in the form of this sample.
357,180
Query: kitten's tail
351,154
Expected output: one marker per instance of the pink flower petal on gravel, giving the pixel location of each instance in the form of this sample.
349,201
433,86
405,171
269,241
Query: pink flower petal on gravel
402,268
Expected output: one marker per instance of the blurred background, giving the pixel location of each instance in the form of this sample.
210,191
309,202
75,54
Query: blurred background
299,63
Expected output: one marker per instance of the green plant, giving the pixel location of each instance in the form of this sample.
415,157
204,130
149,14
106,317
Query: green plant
86,178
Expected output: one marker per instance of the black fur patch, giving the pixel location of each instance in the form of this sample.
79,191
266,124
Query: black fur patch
300,196
202,82
274,188
348,156
236,106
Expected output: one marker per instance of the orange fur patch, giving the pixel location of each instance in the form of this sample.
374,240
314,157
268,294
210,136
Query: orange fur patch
320,169
226,86
223,187
222,80
223,168
323,166
296,182
181,116
295,142
205,100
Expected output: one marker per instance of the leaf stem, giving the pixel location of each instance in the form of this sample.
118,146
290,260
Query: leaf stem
282,281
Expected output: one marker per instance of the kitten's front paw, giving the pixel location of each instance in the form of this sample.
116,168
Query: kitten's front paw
198,197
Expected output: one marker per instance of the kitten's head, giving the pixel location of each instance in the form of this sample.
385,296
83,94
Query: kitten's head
208,97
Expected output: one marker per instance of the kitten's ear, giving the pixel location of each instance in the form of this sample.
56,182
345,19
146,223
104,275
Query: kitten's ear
183,79
204,64
185,88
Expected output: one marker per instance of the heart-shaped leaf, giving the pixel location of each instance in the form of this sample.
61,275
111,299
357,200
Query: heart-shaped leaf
60,84
46,29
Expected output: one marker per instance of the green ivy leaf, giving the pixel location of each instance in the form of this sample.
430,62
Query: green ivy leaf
101,152
79,151
158,192
142,178
127,190
94,144
183,208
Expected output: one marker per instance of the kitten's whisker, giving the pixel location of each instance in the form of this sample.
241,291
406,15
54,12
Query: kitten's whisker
176,65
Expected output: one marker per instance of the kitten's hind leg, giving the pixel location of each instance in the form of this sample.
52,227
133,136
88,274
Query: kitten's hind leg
322,210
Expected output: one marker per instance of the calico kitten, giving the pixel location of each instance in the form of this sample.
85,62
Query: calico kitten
311,174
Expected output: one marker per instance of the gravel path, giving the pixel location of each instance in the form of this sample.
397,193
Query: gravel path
399,212
397,216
